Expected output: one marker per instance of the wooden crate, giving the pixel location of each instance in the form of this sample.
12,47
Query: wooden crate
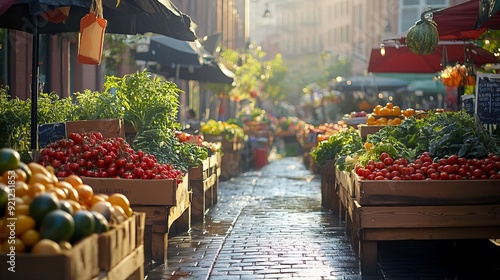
200,172
130,268
138,191
78,263
329,198
162,221
231,165
202,194
418,210
120,241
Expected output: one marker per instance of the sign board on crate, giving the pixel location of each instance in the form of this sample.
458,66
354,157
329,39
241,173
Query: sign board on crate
51,132
488,98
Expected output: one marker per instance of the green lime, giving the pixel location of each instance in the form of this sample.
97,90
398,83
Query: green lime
9,159
58,226
41,205
84,225
100,222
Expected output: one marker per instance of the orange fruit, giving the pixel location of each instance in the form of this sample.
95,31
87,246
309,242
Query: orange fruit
376,110
21,175
38,168
74,180
396,121
21,188
85,192
35,188
95,199
396,110
389,105
385,111
47,181
18,244
58,192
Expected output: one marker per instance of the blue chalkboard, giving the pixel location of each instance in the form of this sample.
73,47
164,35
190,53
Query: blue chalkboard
488,98
51,132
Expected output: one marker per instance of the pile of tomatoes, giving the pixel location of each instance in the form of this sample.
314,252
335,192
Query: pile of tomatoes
92,155
424,168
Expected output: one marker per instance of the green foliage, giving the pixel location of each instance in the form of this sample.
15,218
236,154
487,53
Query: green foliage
149,101
93,105
442,135
165,146
337,147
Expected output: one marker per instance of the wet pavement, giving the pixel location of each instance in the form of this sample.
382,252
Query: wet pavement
269,224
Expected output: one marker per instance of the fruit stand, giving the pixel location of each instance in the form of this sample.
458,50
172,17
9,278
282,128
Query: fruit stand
433,176
421,210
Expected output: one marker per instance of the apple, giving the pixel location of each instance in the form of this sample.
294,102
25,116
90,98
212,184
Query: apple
362,114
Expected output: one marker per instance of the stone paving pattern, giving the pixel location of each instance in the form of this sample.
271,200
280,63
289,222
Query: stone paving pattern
269,224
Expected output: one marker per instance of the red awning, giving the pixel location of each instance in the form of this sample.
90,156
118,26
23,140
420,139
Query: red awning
399,59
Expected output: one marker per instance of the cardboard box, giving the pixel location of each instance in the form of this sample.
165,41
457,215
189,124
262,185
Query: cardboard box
79,263
109,128
120,241
140,192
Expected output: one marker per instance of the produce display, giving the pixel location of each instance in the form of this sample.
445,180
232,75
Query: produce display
425,167
91,155
389,114
455,146
338,145
288,126
311,134
168,149
229,131
51,214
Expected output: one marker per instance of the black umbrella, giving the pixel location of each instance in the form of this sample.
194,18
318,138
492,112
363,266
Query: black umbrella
129,17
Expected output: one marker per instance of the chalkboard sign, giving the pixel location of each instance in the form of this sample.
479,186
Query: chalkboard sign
488,98
51,132
468,103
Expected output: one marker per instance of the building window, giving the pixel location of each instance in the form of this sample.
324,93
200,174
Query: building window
410,11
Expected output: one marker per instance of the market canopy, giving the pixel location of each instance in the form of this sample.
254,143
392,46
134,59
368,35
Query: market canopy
129,17
360,83
399,59
427,86
171,53
212,73
459,22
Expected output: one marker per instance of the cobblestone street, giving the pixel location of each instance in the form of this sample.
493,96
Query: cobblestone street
269,224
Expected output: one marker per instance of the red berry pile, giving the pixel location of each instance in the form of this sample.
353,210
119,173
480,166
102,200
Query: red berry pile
425,168
92,155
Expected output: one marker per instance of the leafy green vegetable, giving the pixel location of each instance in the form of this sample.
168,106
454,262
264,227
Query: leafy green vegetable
338,146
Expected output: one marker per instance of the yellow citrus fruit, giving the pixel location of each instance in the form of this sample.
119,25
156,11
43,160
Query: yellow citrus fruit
74,180
47,181
85,192
46,247
17,243
23,223
119,200
35,188
21,189
30,237
22,209
38,168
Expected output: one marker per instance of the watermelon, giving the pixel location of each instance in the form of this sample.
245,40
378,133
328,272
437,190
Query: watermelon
423,37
